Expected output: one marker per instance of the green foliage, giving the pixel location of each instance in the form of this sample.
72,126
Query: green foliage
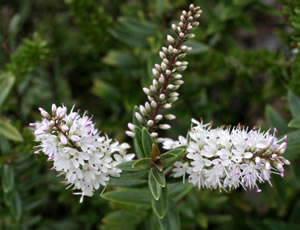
28,57
98,54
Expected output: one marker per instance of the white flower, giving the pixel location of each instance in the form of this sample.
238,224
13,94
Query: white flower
168,143
86,159
226,158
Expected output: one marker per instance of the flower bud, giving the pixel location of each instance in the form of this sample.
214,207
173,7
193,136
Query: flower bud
170,86
63,139
167,106
131,126
178,76
44,113
142,109
154,134
129,133
179,82
162,97
170,39
65,128
139,117
155,72
153,104
162,55
150,123
147,107
170,117
146,91
158,117
163,66
53,109
75,138
164,126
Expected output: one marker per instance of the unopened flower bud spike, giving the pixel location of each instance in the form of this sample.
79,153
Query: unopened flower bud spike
167,80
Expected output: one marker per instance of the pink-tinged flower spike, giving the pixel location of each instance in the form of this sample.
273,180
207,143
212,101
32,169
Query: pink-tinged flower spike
78,151
225,158
167,80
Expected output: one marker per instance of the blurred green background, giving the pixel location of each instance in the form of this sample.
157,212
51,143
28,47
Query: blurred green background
98,54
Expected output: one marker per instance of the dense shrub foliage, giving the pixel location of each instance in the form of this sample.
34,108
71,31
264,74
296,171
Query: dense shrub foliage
98,54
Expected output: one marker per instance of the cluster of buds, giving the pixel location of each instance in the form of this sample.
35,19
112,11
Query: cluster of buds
226,158
167,78
71,141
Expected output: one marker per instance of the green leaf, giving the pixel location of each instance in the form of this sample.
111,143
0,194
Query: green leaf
154,187
155,152
118,219
294,102
129,196
295,123
197,47
147,142
119,59
275,120
6,83
171,220
160,207
158,176
127,166
15,206
179,190
9,131
138,142
8,178
167,157
129,179
295,215
132,31
105,90
293,145
179,152
142,163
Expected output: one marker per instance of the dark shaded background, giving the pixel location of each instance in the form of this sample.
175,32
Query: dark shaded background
98,54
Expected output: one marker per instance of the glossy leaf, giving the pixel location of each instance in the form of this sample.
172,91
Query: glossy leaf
6,83
155,151
8,178
167,157
129,196
142,163
9,131
138,144
160,207
129,179
127,166
295,123
158,176
179,152
276,121
147,142
16,206
120,59
171,220
154,187
178,190
294,102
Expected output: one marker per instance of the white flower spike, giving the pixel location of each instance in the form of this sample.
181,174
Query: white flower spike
78,151
226,158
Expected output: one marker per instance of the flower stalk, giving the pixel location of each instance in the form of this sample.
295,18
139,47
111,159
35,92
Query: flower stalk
167,78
